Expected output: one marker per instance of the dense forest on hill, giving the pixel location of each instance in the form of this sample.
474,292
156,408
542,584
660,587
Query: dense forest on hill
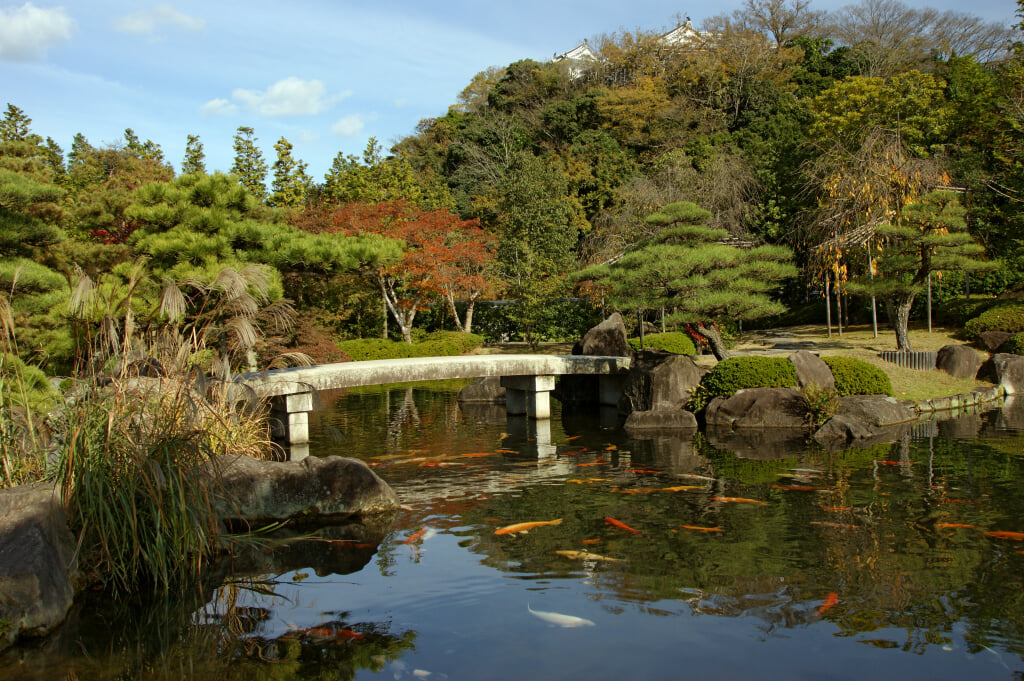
792,128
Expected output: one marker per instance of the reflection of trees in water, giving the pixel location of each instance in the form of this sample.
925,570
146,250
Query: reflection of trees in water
225,638
405,413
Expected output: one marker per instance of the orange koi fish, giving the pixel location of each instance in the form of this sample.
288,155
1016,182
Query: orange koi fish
506,451
476,454
621,525
411,539
639,490
526,527
1002,534
573,437
956,525
598,462
347,634
318,632
739,500
701,529
642,471
590,541
830,600
896,463
610,448
680,488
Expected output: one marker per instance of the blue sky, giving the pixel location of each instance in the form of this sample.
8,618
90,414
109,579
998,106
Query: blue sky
325,74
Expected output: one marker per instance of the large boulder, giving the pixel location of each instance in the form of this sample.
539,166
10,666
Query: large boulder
661,420
758,408
607,339
958,361
327,488
992,340
659,381
1005,370
38,564
864,420
811,371
485,390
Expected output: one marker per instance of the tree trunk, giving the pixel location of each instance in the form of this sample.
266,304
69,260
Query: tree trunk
714,341
455,313
467,325
903,305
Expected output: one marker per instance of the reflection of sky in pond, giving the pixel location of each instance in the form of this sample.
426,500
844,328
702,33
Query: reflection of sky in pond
864,563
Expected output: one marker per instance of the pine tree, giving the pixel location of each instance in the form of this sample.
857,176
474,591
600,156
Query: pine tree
14,127
195,158
929,236
291,182
249,166
686,268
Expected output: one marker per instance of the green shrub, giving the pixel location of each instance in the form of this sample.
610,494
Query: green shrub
1015,345
437,344
857,377
738,373
821,404
1007,317
672,341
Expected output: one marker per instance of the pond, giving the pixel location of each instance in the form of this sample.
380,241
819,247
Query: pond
664,557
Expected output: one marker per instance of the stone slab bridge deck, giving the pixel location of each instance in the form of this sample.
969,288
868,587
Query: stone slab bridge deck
527,379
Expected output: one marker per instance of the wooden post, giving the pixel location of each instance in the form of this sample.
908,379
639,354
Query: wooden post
929,302
828,304
874,309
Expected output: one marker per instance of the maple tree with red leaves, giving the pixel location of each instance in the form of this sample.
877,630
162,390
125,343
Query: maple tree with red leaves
444,258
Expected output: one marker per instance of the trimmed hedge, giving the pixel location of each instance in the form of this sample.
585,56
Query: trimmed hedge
738,373
958,311
437,344
673,341
857,377
1008,317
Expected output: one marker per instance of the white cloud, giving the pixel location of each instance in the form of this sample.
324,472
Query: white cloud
349,126
26,32
148,21
218,107
289,97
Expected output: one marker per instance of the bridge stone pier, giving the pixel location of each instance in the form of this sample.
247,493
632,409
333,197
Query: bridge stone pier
528,381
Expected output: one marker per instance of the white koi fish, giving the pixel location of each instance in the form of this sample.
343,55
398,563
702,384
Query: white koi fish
557,618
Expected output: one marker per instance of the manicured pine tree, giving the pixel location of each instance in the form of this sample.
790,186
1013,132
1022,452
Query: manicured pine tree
686,268
929,236
249,166
291,181
195,158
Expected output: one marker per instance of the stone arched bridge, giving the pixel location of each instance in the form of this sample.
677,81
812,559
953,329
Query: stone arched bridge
527,379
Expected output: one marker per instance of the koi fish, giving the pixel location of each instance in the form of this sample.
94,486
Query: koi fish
570,453
476,454
506,451
701,529
639,490
586,480
830,600
956,525
557,618
621,525
801,488
348,634
598,462
573,437
642,471
896,463
694,476
610,448
1002,534
738,500
411,539
318,632
590,541
586,555
526,527
680,488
